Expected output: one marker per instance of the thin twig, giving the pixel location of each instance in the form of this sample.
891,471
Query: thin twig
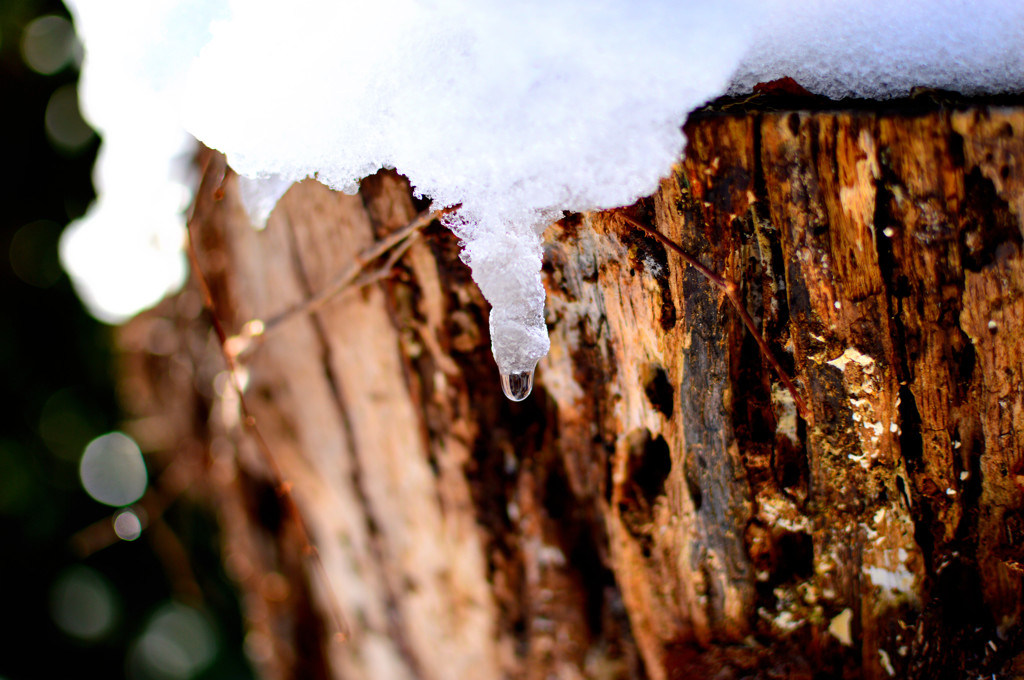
350,274
731,291
101,534
283,488
388,268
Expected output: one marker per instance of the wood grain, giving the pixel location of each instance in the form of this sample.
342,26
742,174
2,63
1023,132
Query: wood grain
657,508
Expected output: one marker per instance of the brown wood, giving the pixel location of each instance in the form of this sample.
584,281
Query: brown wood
657,508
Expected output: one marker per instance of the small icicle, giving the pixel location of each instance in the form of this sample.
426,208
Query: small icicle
517,386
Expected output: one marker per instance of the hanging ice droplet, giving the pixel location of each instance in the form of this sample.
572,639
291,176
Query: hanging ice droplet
517,386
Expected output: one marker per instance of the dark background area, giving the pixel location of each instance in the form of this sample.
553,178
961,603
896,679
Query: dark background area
113,612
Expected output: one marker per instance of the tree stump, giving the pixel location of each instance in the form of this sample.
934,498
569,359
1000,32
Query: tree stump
658,508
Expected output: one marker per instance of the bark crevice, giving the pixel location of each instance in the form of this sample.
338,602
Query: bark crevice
659,508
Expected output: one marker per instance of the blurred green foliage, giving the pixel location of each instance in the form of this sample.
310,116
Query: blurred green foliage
114,613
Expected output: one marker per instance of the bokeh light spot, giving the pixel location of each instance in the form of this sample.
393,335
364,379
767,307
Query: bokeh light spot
112,470
82,603
178,643
33,253
127,525
48,44
65,127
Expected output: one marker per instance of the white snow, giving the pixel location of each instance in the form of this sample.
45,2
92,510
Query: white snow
260,194
127,252
883,48
515,110
895,576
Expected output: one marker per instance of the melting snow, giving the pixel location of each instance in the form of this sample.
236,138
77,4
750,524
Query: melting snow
517,111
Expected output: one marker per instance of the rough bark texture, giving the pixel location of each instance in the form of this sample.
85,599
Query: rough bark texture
657,508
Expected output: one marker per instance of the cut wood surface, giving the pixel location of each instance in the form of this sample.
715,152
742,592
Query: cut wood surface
657,508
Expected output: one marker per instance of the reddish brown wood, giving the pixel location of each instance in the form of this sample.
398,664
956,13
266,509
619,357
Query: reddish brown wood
657,508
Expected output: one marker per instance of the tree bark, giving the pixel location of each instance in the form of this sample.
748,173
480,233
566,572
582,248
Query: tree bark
658,508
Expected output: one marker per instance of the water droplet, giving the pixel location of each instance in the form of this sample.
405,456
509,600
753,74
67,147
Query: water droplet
517,386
